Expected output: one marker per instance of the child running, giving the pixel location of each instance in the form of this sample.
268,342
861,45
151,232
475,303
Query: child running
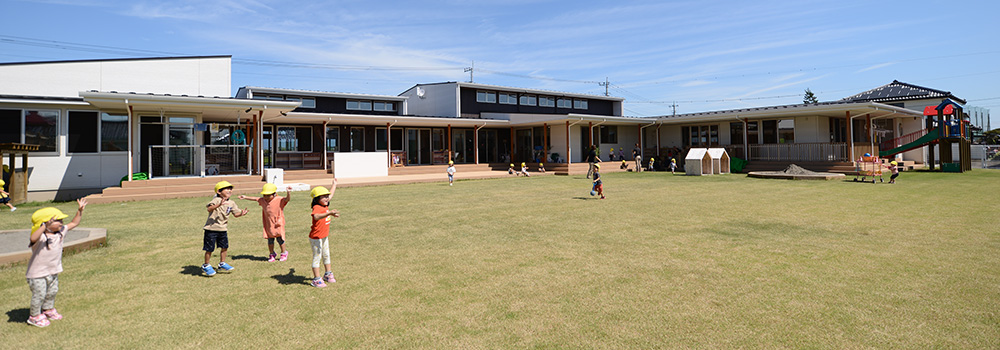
673,165
272,209
320,231
451,173
46,243
894,169
598,184
216,227
5,197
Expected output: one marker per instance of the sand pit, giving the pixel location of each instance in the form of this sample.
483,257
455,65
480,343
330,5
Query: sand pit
795,172
14,243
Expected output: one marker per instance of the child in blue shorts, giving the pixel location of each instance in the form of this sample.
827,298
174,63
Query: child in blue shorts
216,226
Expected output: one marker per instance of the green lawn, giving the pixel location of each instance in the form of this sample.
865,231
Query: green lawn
666,261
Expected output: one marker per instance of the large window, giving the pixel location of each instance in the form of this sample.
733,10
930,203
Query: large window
528,100
294,139
396,139
357,139
384,106
736,133
41,127
786,131
332,137
546,101
11,121
486,96
609,134
357,105
580,104
114,132
508,98
83,132
564,103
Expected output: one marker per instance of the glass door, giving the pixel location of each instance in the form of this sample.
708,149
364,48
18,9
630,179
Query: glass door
267,145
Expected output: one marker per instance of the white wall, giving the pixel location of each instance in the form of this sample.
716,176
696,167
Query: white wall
190,76
812,129
360,164
557,138
439,100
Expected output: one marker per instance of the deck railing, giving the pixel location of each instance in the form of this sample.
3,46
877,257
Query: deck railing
801,152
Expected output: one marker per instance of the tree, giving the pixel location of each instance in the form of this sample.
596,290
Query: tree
809,97
992,137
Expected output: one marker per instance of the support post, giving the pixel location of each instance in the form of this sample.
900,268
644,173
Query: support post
569,154
449,143
545,142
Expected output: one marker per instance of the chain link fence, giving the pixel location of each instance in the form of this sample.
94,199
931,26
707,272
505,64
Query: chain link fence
986,156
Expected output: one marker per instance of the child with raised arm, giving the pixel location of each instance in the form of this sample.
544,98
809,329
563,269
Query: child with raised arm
272,209
46,243
216,226
320,231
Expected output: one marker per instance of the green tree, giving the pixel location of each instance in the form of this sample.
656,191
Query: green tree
992,137
809,97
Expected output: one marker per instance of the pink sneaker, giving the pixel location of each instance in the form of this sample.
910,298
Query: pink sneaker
318,283
284,256
329,278
38,321
52,314
270,258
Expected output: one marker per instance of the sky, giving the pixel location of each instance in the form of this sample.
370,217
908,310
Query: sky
662,57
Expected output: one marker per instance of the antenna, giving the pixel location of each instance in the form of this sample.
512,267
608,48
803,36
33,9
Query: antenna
471,70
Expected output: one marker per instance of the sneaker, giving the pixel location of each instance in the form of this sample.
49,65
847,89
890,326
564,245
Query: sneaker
284,256
318,283
209,271
13,209
52,314
270,258
38,321
329,277
223,266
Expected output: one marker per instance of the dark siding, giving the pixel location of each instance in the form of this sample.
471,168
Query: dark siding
470,106
339,105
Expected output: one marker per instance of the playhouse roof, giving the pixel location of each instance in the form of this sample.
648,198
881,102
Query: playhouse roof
696,153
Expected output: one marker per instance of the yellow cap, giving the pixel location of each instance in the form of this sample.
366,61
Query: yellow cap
451,162
45,214
540,164
650,159
222,184
623,161
597,166
511,165
893,162
522,163
2,182
612,148
673,161
319,191
269,189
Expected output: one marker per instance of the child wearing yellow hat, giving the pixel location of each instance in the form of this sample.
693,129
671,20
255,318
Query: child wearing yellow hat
451,172
510,170
894,168
46,243
598,184
320,231
524,169
673,165
5,197
216,229
272,210
541,167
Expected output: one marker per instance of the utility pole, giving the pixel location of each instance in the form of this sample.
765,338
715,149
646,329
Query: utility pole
674,106
605,84
471,70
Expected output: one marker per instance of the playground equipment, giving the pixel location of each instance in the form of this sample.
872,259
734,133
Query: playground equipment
868,166
946,125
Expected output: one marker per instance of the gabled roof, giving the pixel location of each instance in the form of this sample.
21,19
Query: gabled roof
900,91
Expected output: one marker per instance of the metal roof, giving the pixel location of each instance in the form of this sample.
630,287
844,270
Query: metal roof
900,91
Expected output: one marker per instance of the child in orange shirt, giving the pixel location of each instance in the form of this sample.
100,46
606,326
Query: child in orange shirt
319,232
272,209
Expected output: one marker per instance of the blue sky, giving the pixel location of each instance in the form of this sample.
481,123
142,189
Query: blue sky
705,55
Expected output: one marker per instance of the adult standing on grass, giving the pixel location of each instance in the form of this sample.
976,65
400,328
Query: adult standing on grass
216,227
46,243
272,211
637,154
592,159
320,231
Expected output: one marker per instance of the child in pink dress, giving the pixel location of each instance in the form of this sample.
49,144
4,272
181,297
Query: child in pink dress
46,243
273,213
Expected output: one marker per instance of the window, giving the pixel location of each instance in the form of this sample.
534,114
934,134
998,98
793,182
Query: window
736,133
332,135
564,103
357,139
359,105
11,121
268,97
528,100
486,96
609,134
508,98
580,104
546,101
396,139
41,128
83,132
769,131
308,102
114,132
294,139
385,106
786,131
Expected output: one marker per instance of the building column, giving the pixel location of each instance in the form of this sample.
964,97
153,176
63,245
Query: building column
568,151
545,142
450,141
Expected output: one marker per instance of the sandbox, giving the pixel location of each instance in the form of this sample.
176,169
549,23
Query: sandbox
14,243
795,172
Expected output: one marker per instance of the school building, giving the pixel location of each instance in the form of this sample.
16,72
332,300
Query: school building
96,121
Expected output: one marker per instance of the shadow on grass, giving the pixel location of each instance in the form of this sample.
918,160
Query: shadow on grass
193,270
18,315
290,278
249,257
587,198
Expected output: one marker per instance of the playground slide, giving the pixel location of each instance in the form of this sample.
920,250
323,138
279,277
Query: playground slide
931,136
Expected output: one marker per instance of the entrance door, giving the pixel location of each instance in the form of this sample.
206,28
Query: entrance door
267,145
149,134
522,145
425,146
488,146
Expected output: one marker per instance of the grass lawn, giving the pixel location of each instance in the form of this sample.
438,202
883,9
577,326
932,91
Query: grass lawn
666,261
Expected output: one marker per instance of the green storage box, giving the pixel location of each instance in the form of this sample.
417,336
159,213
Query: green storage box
951,167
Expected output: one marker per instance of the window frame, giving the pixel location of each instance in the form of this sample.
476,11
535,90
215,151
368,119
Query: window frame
484,96
564,103
351,137
580,104
336,138
70,132
550,99
507,98
58,129
298,146
391,105
101,127
532,100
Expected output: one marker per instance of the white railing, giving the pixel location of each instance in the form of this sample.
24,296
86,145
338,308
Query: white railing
803,152
198,160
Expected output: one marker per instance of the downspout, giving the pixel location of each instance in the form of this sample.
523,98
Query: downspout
475,138
641,148
388,140
130,169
